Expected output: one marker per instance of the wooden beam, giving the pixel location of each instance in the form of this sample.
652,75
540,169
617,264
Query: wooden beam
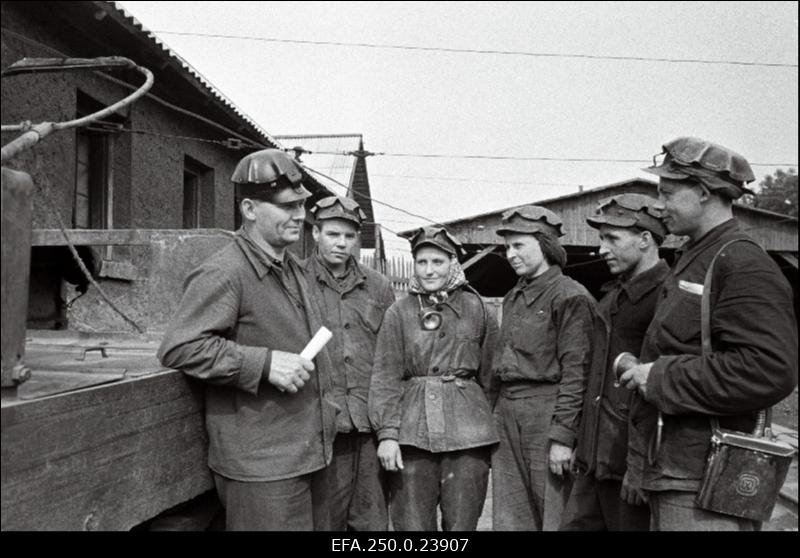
479,256
103,458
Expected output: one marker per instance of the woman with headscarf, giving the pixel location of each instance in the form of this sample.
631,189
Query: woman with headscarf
427,401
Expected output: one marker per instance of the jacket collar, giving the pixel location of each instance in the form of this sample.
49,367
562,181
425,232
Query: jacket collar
688,252
532,288
641,284
261,262
454,301
354,274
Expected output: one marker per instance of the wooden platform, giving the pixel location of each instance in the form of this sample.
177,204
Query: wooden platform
104,457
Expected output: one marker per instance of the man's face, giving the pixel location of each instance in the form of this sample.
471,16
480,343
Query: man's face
336,239
279,224
432,268
681,205
524,253
622,249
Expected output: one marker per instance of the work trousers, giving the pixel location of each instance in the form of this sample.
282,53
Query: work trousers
526,495
456,481
672,510
295,504
595,505
356,485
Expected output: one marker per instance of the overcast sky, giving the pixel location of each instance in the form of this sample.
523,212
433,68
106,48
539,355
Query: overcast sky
455,103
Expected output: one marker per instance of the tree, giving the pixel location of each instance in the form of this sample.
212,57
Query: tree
777,193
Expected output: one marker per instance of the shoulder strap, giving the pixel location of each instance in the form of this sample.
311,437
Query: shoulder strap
764,415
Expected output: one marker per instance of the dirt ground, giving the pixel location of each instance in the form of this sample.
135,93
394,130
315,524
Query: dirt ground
785,412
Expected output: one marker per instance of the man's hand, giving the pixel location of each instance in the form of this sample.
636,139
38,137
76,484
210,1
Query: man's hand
560,458
633,496
389,455
636,378
289,371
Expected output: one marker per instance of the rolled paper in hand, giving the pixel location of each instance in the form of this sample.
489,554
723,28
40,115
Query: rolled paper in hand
317,342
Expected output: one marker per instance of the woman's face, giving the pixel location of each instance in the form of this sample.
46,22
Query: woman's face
432,268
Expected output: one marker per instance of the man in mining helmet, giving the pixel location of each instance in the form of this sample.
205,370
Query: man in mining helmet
630,232
245,316
752,362
353,299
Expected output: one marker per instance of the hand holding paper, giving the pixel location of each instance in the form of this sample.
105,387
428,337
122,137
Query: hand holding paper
317,342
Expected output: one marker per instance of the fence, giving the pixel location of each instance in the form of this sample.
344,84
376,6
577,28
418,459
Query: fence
398,271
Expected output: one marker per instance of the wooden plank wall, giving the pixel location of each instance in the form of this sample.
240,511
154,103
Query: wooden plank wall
103,458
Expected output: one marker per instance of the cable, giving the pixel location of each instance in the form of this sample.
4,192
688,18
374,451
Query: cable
250,142
483,51
481,180
366,197
516,158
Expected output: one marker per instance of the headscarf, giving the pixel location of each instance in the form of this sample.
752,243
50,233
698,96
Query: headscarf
455,279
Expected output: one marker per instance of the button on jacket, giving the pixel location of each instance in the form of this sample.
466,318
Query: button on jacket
352,308
237,307
626,310
546,337
428,386
753,365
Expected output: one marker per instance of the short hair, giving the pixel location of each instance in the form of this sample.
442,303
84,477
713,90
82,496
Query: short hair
552,250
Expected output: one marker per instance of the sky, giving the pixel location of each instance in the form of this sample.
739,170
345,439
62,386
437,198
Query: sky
433,102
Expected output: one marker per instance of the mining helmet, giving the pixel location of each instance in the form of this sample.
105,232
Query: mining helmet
716,167
439,237
530,219
629,210
267,174
338,207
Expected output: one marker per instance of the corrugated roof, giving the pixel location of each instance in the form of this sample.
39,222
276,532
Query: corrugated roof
136,26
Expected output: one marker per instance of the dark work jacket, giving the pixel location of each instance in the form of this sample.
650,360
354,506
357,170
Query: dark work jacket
753,364
237,307
546,337
352,308
428,387
626,310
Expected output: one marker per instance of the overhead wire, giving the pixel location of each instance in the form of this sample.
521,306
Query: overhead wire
481,51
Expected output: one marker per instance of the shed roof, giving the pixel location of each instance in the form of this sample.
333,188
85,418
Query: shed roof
776,232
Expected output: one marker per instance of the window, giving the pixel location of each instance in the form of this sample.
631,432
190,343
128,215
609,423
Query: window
94,168
198,191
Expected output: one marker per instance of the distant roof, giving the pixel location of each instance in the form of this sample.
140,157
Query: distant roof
593,192
341,172
326,154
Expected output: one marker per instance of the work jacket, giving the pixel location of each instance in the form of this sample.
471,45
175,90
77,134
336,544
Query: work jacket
352,308
626,309
237,307
428,387
753,364
546,338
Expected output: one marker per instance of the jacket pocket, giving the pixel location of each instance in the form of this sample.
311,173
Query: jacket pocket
534,333
466,356
683,319
371,315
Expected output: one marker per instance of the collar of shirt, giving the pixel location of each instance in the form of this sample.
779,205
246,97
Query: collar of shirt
353,274
688,252
262,262
645,282
532,288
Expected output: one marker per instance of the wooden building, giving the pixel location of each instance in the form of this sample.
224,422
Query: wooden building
488,270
